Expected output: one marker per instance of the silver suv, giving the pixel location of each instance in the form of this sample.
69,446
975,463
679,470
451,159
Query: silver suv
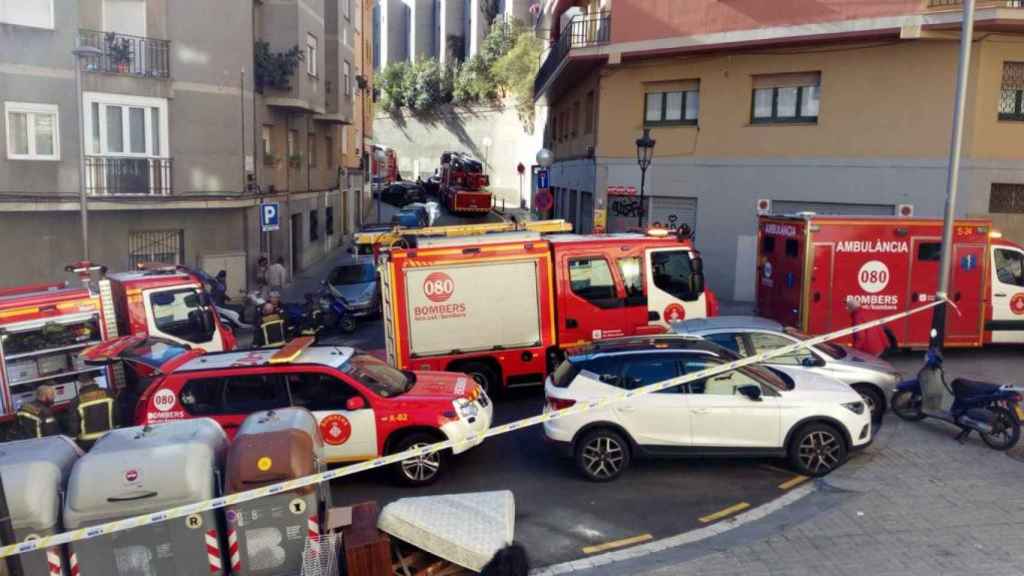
873,378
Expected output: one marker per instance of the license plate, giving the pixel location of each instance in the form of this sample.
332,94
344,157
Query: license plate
1020,411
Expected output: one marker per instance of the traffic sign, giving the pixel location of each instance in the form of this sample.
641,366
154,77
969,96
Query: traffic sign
270,216
542,200
520,168
542,179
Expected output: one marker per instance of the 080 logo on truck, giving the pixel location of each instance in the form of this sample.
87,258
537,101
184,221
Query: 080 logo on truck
438,287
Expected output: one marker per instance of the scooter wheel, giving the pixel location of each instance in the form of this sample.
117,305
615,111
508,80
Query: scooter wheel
1007,429
907,405
347,324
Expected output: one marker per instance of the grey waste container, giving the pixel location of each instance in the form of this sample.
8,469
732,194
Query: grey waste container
34,474
142,470
272,532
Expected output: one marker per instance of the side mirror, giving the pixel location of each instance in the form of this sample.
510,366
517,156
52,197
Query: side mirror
355,403
812,362
696,284
750,391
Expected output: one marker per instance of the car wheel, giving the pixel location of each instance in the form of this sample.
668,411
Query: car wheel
602,455
817,449
874,400
484,375
418,470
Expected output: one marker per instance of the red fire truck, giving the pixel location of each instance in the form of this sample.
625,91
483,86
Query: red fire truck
809,265
463,184
502,307
43,327
384,173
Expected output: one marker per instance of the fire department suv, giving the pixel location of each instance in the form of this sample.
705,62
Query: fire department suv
364,408
501,307
809,265
43,327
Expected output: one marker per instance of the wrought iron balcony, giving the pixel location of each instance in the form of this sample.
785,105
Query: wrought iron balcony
126,54
581,32
116,175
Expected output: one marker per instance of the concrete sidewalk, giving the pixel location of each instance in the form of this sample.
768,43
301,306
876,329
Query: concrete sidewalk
915,502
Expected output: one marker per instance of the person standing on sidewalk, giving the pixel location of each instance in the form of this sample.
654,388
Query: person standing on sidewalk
277,274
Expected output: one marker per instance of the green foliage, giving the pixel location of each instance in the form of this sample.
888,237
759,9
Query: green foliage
393,85
274,69
516,70
475,83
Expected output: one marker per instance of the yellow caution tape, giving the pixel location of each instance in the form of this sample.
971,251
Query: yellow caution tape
578,408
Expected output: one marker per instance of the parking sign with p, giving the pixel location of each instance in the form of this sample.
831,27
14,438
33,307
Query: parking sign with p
270,216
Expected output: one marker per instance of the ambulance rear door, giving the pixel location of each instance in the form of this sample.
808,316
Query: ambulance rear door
1007,321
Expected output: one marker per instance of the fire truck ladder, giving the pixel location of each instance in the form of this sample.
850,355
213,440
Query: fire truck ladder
385,304
395,234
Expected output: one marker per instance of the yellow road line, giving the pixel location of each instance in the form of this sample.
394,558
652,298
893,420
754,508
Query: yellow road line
794,481
725,512
617,544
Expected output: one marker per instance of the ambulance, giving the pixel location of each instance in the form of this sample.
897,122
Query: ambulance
809,265
44,327
502,307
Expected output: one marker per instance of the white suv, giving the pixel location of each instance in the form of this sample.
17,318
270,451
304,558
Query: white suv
812,419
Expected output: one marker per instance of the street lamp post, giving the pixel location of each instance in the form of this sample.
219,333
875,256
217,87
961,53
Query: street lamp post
380,156
644,153
487,151
83,203
953,175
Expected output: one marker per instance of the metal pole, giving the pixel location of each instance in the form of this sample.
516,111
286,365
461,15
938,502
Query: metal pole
643,182
241,111
953,174
83,202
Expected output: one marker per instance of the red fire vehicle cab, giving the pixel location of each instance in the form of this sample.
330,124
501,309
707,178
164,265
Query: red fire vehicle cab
809,265
463,186
44,327
502,307
364,407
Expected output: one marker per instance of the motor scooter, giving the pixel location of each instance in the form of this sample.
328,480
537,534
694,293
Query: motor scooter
993,410
337,315
305,319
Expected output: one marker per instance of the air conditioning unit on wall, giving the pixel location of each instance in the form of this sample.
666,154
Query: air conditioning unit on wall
905,210
764,206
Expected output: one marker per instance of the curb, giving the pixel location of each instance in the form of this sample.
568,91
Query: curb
678,540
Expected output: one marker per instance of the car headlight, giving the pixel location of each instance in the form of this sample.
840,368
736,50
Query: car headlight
465,408
855,407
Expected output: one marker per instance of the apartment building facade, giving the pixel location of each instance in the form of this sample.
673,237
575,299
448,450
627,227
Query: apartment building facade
444,30
180,144
831,107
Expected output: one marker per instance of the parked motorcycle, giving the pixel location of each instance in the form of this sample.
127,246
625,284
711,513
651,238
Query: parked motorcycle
300,319
993,410
337,315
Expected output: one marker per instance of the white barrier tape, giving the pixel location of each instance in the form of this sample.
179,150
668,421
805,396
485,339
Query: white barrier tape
578,408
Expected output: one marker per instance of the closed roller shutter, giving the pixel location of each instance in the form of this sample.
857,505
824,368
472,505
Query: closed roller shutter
673,212
833,208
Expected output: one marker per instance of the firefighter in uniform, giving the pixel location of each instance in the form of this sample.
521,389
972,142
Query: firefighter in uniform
92,413
36,418
273,331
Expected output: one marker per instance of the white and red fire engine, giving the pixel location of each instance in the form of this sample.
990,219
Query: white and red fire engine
463,187
385,173
43,327
809,265
501,307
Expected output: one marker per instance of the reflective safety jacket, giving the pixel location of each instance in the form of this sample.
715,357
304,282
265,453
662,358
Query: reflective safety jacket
91,414
36,420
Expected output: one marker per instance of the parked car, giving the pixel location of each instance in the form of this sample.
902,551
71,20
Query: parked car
873,378
356,281
402,193
812,419
364,407
432,185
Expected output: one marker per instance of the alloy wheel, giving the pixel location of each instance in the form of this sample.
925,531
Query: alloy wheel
421,468
603,457
819,451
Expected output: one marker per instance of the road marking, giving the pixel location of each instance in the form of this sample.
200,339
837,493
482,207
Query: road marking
771,468
725,512
617,544
794,481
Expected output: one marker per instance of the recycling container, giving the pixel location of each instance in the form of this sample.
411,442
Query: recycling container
268,536
142,470
34,474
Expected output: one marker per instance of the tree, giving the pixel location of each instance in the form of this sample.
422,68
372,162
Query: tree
394,85
274,69
515,72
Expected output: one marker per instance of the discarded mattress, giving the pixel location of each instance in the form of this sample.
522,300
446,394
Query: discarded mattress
467,529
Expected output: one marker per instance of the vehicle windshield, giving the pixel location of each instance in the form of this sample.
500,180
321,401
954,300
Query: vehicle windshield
376,375
180,313
353,274
835,351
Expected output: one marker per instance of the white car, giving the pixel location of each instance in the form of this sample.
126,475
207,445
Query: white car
812,419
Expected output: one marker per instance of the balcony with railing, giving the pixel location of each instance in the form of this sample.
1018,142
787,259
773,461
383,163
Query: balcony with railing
127,176
581,32
126,54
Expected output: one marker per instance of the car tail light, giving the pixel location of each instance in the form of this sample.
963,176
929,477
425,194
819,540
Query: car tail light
559,403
